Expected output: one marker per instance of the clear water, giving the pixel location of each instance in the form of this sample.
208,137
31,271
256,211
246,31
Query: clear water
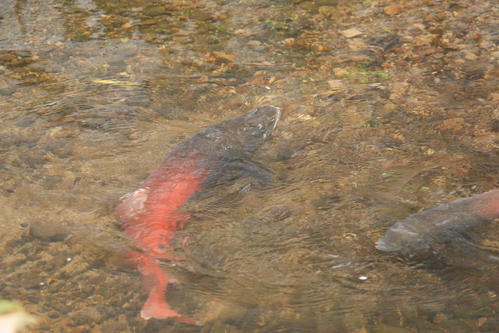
93,93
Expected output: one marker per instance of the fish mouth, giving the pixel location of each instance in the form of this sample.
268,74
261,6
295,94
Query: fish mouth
277,116
382,246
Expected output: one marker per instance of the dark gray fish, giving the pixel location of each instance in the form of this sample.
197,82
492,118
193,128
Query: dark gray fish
440,224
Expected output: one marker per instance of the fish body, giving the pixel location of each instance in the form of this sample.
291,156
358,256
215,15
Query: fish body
151,215
440,224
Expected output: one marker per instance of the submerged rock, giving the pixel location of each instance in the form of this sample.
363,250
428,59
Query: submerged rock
49,230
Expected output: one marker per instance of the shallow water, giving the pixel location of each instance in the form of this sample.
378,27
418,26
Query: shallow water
375,126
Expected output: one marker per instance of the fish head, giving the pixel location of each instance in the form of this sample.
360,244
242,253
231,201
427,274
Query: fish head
256,126
407,236
261,122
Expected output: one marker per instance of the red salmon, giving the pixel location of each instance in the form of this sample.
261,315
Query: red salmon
151,215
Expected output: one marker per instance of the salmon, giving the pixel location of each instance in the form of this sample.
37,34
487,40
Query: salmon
151,215
419,231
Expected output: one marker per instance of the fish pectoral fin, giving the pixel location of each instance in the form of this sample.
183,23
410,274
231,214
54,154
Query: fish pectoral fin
250,169
233,169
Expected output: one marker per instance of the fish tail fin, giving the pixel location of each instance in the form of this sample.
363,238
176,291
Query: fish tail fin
156,281
156,307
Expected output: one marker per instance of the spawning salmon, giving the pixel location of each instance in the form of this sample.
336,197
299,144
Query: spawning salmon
151,215
443,223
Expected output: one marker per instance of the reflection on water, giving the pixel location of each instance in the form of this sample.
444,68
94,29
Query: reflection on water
386,112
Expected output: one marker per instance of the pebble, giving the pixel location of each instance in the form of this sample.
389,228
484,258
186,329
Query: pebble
326,2
393,9
200,16
51,231
383,328
30,279
154,11
309,5
8,90
439,318
350,33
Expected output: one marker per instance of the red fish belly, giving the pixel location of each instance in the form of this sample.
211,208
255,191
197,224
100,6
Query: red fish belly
150,217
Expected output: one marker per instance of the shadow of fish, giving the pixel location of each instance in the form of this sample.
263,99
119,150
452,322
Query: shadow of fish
151,215
419,231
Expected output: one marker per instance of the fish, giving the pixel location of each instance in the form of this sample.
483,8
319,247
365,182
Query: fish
150,216
444,223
